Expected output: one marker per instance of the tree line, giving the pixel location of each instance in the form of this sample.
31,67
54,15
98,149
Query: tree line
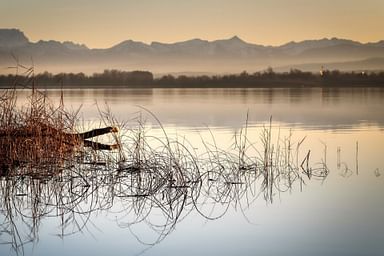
267,78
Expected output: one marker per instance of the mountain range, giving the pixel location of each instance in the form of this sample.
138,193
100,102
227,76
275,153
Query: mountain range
192,56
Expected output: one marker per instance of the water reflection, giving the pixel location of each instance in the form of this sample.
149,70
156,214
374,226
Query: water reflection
156,182
317,108
160,183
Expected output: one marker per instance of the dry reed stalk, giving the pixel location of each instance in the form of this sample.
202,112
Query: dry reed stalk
37,139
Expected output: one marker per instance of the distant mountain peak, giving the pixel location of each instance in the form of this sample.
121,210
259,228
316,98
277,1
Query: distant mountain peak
12,38
155,43
196,40
236,38
234,41
130,46
130,43
74,46
297,47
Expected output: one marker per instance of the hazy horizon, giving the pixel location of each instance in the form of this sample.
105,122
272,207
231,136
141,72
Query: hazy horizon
102,25
26,33
219,56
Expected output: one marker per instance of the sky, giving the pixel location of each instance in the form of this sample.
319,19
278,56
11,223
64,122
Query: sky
102,24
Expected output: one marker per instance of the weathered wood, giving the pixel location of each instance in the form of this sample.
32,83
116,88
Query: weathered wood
99,146
97,132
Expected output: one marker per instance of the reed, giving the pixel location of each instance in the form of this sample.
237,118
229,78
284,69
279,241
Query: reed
41,139
37,138
156,181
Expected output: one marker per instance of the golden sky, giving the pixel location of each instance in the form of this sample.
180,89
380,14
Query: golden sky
101,24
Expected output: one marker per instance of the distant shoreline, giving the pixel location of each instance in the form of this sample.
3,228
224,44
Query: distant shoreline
144,79
138,87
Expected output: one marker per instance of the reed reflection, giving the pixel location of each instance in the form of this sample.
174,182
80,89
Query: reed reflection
152,181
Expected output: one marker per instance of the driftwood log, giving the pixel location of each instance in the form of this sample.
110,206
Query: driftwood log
94,133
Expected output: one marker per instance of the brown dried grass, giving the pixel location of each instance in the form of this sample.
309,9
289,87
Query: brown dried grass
36,139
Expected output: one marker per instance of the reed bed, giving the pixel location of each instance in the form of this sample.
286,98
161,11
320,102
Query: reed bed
37,139
152,181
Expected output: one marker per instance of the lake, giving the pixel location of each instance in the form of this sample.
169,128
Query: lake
320,191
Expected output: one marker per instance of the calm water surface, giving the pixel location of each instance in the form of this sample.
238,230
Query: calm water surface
340,215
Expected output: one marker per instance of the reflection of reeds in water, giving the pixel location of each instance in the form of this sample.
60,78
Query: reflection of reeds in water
153,180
